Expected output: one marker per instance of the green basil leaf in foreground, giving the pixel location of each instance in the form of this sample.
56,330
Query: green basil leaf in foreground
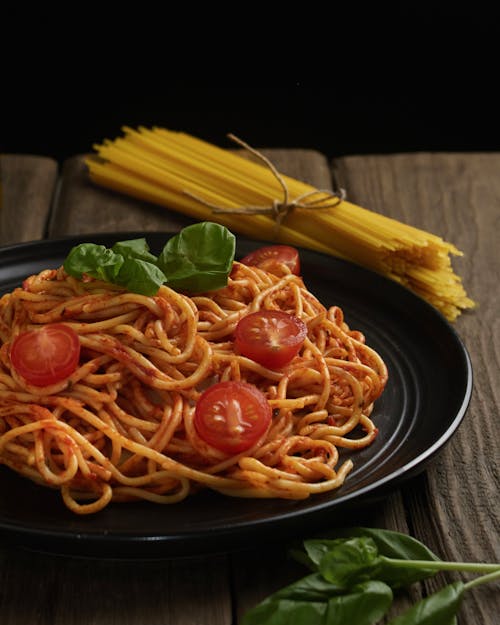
398,546
333,594
314,602
394,564
199,258
348,561
439,608
286,612
366,604
93,260
304,601
389,543
313,587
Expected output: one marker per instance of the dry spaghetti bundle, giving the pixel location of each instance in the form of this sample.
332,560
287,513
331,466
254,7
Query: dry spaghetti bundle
186,174
120,427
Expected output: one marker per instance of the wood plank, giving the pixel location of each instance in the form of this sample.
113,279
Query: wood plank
27,185
454,506
78,591
83,207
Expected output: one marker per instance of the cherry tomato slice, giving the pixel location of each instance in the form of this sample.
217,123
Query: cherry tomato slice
270,257
270,337
232,416
46,356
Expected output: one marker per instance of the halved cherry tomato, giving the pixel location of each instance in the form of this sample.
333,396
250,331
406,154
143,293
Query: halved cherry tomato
46,356
232,416
270,337
270,257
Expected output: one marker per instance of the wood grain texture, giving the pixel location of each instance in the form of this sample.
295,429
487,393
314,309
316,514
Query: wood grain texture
27,185
51,590
82,207
454,506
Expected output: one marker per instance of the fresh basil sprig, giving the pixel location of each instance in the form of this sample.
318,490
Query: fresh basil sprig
354,574
197,259
312,602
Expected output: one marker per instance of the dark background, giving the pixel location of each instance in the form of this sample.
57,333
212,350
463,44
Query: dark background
294,116
412,79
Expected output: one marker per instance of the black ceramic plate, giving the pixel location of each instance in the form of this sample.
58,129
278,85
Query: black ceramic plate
428,392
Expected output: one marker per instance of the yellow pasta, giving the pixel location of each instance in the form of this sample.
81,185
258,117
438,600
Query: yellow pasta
183,173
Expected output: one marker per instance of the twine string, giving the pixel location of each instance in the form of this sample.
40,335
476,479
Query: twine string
278,209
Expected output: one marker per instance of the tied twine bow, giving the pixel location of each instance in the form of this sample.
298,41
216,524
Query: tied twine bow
278,210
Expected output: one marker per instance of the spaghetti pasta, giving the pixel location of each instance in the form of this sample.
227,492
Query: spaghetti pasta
183,173
120,427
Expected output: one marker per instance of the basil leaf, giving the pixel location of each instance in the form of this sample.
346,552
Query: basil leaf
304,599
127,269
134,248
316,548
439,608
140,276
286,612
390,544
366,604
349,561
312,587
93,260
199,258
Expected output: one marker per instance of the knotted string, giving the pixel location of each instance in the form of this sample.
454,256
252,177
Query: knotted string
278,209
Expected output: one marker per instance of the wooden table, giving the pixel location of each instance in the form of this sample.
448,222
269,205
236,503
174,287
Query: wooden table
452,506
